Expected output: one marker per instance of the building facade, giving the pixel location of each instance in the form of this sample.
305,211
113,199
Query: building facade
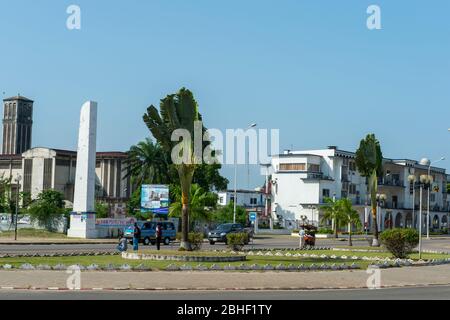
42,169
245,198
302,180
52,169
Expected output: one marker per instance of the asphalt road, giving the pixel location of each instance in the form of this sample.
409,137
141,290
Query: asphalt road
261,242
413,293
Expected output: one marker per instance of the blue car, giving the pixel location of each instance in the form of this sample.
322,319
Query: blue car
148,232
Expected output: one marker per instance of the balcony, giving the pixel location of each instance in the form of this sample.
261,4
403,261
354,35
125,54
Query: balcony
391,183
316,176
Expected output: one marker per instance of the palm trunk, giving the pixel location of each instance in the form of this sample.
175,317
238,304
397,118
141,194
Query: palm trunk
373,195
336,229
350,243
186,181
185,223
375,242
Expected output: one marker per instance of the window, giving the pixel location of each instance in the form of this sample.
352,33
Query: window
352,188
352,166
253,201
48,168
293,167
221,200
433,197
231,199
314,168
326,193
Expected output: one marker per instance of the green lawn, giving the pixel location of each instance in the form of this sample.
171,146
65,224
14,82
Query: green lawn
161,265
32,233
259,260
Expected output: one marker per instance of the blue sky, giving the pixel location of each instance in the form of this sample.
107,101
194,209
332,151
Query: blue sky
309,68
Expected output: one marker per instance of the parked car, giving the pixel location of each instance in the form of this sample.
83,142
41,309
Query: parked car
148,232
222,231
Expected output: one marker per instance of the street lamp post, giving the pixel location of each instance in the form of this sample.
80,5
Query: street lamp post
429,163
423,181
412,180
248,157
235,178
18,178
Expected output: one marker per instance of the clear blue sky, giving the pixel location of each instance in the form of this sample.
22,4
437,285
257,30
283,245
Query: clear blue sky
310,68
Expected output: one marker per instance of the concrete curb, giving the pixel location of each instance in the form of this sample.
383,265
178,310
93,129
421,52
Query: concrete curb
45,243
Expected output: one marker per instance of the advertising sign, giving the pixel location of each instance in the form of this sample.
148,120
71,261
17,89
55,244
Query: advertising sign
115,223
155,199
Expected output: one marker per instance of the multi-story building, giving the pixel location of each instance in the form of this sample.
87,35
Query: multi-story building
42,169
302,180
245,198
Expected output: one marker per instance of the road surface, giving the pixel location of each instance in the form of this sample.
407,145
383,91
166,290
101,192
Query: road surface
421,293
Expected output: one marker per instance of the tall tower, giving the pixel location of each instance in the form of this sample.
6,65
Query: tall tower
17,125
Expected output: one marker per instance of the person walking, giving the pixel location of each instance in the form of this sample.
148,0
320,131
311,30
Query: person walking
158,236
301,233
136,237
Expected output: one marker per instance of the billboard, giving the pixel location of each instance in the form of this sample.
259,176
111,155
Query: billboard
155,199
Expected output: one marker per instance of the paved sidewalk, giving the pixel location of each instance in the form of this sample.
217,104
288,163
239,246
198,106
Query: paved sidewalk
399,277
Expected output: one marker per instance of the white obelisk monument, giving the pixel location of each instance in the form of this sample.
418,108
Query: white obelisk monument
82,219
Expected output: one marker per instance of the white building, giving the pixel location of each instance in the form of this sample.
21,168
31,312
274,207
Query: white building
245,198
301,181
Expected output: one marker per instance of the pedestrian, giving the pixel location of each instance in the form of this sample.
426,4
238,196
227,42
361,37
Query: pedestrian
136,237
158,236
123,245
301,233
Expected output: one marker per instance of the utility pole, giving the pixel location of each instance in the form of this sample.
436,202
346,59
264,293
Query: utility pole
18,178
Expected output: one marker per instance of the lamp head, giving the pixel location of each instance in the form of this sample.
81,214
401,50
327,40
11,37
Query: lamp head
425,162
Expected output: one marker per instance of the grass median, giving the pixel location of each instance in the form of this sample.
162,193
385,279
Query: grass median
103,261
31,233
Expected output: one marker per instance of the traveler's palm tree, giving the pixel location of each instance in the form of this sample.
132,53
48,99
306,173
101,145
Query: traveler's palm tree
147,163
332,211
177,111
200,204
350,217
369,160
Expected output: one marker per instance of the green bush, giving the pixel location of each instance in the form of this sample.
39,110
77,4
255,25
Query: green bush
400,242
237,241
325,231
196,240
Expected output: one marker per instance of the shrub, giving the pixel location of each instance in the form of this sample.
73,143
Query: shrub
196,240
325,231
400,242
237,241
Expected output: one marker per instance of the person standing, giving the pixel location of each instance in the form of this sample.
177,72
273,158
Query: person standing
158,236
136,237
301,233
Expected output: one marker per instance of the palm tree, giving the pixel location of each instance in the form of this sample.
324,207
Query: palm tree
147,163
201,203
332,211
350,217
177,111
369,160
